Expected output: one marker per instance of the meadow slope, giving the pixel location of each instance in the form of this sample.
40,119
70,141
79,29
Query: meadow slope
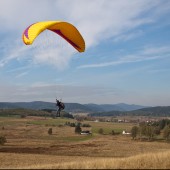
29,146
158,160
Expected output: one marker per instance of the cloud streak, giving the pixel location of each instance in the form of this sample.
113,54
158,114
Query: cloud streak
152,53
48,49
48,92
107,27
97,21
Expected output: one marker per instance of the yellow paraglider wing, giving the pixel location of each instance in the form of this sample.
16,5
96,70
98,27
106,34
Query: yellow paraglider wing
64,29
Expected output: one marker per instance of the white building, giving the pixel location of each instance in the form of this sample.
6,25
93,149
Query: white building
125,133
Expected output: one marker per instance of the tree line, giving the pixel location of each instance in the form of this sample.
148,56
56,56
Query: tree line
151,111
151,130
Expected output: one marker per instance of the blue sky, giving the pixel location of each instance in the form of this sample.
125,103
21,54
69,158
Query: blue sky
126,60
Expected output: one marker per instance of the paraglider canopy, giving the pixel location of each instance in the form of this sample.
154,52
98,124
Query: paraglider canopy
64,29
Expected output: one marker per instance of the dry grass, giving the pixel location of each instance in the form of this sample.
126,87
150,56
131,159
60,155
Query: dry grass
145,161
29,146
32,161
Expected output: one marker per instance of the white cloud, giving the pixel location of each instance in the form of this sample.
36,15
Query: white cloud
126,37
100,20
46,50
17,14
22,74
156,50
19,69
52,50
149,53
96,20
48,92
81,94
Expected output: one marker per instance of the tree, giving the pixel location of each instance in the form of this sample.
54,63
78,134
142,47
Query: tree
146,130
78,128
162,124
157,130
23,115
166,132
100,131
134,131
142,129
65,114
72,124
50,131
113,132
149,132
2,140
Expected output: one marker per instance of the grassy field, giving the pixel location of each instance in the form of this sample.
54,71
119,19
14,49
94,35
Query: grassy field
30,146
33,161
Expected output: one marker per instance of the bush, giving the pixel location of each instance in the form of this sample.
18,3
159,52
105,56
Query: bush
2,140
86,125
166,132
134,131
67,123
53,116
50,131
157,131
72,124
23,115
100,131
60,125
78,128
113,132
65,114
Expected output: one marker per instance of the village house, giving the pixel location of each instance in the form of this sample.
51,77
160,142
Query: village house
125,133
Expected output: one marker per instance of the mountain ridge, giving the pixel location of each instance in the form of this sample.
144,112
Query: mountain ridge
120,109
158,111
71,107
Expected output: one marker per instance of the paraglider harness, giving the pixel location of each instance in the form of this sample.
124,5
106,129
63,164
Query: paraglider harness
60,106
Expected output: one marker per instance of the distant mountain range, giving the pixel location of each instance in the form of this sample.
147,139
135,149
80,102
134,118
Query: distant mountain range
114,107
120,109
71,107
159,111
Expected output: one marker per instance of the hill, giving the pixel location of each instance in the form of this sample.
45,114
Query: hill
150,111
115,107
70,107
40,105
153,111
93,109
36,105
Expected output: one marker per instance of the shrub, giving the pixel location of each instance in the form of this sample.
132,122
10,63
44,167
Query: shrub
100,131
60,125
68,115
53,116
113,132
86,125
2,140
23,115
166,132
134,131
67,123
78,128
72,125
157,131
50,131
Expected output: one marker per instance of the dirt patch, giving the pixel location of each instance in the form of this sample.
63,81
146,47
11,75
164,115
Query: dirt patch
50,150
38,150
